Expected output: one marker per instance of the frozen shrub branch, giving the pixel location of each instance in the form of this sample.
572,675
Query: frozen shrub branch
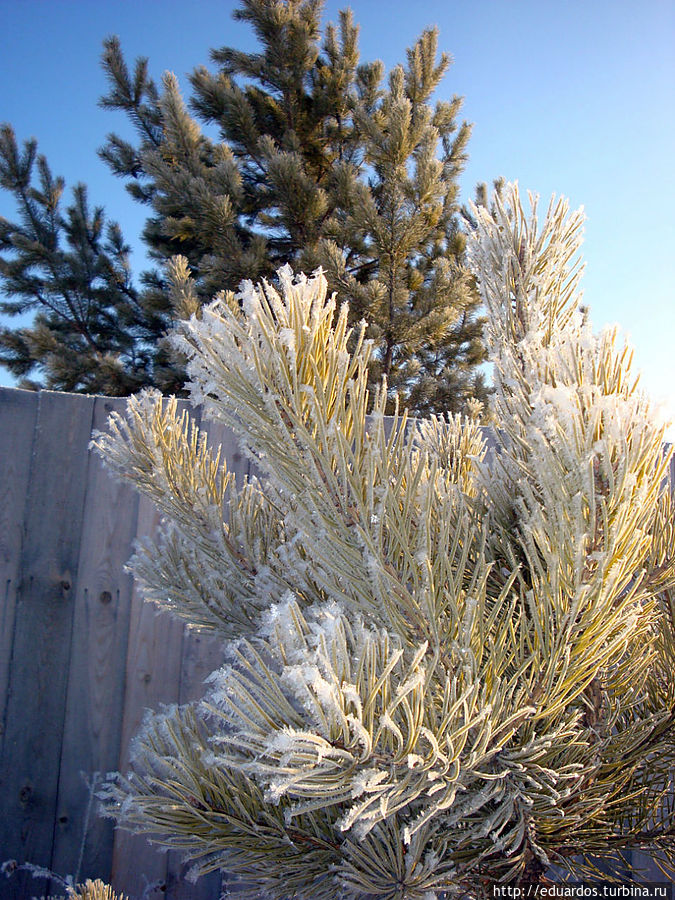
445,670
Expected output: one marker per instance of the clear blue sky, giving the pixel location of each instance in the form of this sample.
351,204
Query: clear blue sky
572,97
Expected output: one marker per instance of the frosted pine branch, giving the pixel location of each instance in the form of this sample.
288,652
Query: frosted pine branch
446,669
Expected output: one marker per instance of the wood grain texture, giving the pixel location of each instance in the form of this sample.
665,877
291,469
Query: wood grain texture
202,654
152,678
31,752
17,429
83,840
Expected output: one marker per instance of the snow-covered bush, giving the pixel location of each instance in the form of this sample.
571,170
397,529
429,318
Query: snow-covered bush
444,669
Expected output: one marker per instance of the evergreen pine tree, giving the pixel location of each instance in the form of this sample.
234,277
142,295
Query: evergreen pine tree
445,669
407,279
316,164
71,267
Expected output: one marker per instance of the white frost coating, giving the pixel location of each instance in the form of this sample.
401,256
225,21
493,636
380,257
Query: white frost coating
474,595
414,681
367,781
287,338
351,694
388,724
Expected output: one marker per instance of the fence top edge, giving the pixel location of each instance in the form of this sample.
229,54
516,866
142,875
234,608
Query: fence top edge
490,433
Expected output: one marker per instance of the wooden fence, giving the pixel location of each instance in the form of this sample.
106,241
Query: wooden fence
81,657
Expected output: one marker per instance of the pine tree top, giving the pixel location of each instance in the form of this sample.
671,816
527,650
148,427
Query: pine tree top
319,161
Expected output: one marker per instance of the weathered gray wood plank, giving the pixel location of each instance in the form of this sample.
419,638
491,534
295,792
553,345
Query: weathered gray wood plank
83,840
31,750
202,654
152,678
19,412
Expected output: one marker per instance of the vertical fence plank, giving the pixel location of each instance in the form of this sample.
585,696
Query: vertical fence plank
152,678
202,654
19,411
43,633
19,416
91,744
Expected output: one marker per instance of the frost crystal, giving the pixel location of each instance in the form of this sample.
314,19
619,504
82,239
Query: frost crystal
444,667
